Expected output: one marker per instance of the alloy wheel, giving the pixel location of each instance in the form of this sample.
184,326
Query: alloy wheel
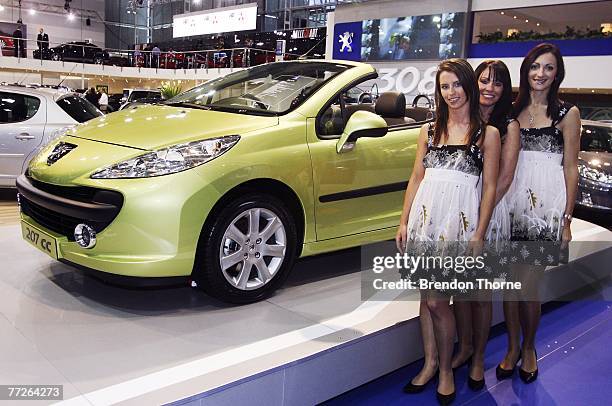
252,249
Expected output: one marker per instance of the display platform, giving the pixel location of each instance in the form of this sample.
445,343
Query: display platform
311,341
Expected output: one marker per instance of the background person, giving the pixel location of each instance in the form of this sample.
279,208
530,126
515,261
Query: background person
103,101
92,96
42,40
443,203
155,54
19,42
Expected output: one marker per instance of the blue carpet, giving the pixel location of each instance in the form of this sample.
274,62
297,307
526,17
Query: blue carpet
574,360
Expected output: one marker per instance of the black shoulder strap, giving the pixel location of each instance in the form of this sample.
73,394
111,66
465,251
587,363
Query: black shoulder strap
430,135
564,108
476,136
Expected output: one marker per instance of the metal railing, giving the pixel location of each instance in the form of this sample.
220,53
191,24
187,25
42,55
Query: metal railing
169,59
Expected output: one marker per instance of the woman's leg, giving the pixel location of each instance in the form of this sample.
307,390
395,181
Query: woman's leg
481,324
513,324
430,349
529,314
444,331
463,317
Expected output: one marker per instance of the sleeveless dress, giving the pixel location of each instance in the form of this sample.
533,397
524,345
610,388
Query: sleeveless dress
537,195
444,214
499,230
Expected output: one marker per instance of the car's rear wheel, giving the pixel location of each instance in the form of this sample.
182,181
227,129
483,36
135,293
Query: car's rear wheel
56,57
247,251
98,60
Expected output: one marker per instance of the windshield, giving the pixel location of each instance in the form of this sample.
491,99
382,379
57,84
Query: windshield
272,88
142,94
78,108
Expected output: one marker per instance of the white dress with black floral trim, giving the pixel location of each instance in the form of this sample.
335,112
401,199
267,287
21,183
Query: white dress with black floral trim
537,196
499,230
446,205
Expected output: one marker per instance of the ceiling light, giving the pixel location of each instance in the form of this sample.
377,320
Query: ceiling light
502,13
514,17
70,16
32,11
526,21
1,8
538,24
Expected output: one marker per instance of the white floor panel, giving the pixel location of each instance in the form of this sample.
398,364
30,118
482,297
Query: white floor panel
112,345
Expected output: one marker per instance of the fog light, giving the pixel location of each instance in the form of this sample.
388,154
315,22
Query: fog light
85,236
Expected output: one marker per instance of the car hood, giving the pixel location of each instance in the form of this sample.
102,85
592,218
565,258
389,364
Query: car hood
154,127
601,161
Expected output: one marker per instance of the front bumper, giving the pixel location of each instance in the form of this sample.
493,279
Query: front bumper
145,227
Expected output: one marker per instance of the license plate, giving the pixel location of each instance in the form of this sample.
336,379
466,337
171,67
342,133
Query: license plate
41,240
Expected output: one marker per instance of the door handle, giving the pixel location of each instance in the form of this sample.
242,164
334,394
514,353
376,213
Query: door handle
25,136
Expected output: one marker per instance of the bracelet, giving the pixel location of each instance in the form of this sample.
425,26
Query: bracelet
566,219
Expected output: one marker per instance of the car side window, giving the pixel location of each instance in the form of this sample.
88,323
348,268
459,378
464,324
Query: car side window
15,107
331,122
333,119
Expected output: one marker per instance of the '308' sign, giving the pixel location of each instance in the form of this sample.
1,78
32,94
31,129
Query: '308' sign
408,80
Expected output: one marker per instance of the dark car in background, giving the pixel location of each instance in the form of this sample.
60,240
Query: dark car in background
595,166
115,101
75,51
135,95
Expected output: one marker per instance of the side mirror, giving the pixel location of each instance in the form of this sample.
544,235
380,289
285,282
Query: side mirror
361,124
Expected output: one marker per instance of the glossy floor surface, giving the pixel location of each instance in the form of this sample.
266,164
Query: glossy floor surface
574,360
111,345
107,344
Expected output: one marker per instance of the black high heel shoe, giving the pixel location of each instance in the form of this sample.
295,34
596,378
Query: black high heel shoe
476,385
502,373
445,400
529,377
412,388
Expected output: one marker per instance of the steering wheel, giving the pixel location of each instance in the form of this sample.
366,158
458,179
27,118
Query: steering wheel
415,102
256,99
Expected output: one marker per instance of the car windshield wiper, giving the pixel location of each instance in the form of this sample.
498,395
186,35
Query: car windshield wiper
240,110
227,109
188,105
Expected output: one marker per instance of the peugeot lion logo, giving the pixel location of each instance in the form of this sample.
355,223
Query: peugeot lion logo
59,151
346,39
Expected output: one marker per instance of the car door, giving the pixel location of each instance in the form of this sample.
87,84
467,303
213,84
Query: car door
360,190
73,52
22,124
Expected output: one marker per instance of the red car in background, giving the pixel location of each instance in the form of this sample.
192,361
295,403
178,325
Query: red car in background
7,44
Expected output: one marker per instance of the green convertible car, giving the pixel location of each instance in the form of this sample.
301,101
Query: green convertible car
228,183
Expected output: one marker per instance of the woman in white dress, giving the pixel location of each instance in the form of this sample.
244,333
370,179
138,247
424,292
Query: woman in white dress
473,314
443,204
541,198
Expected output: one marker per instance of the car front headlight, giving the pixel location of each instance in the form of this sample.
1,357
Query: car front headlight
168,160
594,174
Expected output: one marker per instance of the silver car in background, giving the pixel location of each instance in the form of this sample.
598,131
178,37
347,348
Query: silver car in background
29,119
595,167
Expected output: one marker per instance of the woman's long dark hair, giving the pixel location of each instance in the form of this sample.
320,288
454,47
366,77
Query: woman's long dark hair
522,99
464,72
498,72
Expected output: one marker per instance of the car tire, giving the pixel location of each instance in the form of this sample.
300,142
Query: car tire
98,60
227,247
56,57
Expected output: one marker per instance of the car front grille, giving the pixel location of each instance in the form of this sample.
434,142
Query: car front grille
54,221
61,208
